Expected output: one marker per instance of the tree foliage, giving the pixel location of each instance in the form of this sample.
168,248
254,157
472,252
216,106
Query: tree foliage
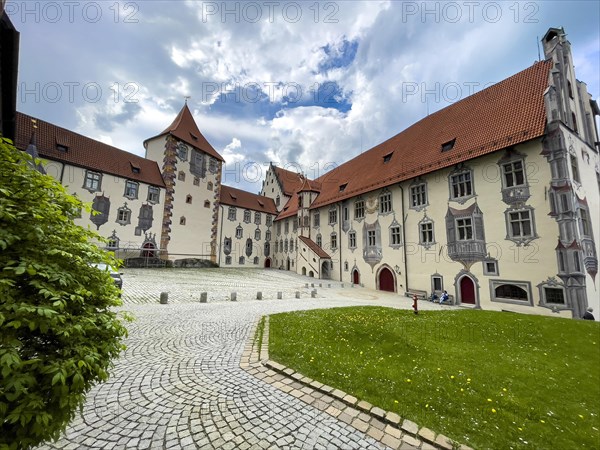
59,330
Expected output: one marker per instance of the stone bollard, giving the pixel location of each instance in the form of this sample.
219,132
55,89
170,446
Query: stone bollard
164,298
320,284
342,285
306,285
329,285
312,284
313,293
203,297
279,295
352,285
234,296
259,296
297,294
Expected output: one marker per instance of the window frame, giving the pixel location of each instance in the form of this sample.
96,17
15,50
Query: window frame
520,238
458,183
153,195
91,177
386,205
422,196
359,209
524,285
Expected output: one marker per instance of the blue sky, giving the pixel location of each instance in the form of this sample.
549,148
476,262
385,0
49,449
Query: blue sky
307,85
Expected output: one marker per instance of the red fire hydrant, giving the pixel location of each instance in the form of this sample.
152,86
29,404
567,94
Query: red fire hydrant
415,305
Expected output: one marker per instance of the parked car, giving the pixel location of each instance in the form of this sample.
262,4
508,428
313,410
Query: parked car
116,276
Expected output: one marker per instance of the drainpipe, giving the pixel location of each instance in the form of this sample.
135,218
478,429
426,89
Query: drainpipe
340,218
404,241
220,236
62,172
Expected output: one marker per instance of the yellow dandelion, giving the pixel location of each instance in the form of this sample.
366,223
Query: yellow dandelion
427,405
468,380
439,368
408,380
542,420
395,401
520,429
461,389
451,376
580,416
504,389
489,399
493,410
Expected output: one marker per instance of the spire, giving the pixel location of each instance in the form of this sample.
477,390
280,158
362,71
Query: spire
185,129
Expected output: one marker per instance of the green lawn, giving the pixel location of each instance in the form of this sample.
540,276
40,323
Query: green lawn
482,378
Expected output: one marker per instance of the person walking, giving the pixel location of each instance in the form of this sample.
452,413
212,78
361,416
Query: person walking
588,314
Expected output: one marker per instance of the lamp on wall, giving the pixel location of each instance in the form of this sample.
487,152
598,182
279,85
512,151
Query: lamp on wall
397,269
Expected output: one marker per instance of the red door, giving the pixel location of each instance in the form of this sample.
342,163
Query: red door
467,291
355,277
268,263
386,280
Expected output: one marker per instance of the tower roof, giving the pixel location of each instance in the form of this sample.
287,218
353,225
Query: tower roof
185,129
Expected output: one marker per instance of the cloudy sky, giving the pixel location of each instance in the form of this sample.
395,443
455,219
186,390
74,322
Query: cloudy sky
306,85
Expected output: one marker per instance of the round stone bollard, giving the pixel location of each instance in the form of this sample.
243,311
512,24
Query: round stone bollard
164,298
328,285
312,284
203,297
234,296
279,295
342,286
306,285
320,284
313,294
259,296
297,294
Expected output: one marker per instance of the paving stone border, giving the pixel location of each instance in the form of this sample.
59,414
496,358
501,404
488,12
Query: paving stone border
387,427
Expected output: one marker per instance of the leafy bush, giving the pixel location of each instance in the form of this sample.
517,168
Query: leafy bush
58,331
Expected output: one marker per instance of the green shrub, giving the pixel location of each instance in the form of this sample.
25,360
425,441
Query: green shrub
58,331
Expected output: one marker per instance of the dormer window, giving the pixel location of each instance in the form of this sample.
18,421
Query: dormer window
343,187
447,146
62,148
135,168
194,137
387,158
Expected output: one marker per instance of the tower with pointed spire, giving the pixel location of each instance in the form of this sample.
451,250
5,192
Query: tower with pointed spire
191,169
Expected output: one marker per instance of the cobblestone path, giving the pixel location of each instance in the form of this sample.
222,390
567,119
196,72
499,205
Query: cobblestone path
179,384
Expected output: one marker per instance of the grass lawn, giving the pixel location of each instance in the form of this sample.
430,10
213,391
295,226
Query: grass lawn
483,378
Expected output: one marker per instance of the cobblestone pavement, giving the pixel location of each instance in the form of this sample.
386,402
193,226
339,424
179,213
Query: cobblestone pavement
179,384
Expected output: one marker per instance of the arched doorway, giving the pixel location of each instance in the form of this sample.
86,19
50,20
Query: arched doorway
325,270
467,290
355,276
288,264
304,271
311,274
148,250
386,280
268,263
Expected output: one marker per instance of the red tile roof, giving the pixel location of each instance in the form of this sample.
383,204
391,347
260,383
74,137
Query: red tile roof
314,247
290,208
242,199
289,181
507,113
184,128
85,152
